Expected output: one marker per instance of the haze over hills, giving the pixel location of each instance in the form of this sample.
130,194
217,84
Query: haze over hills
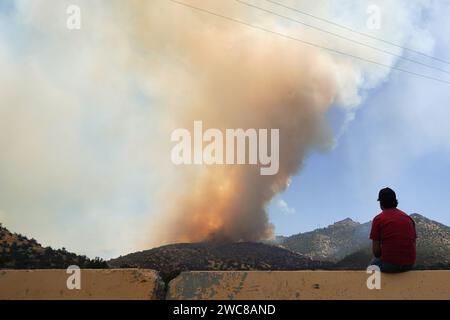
19,252
342,245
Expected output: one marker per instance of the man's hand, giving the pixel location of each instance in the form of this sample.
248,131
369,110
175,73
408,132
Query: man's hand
376,248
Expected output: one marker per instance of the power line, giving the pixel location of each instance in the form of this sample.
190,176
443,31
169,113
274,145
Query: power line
357,32
343,37
309,43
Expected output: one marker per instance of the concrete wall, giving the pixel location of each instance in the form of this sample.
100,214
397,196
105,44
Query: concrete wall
307,285
140,284
136,284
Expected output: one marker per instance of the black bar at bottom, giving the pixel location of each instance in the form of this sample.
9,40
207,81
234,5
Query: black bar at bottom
165,309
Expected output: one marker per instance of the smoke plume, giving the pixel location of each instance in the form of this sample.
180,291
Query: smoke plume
107,97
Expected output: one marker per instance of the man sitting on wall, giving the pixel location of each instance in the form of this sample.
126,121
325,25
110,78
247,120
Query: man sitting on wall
393,236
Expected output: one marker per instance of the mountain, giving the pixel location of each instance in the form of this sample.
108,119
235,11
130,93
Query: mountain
19,252
346,243
172,259
276,241
332,243
358,260
433,243
342,245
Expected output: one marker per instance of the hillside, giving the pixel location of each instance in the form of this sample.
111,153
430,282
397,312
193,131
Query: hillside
173,259
342,245
433,243
19,252
346,242
331,243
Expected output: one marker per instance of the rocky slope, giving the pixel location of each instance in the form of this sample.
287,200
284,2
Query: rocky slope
19,252
346,242
331,243
173,259
433,243
342,245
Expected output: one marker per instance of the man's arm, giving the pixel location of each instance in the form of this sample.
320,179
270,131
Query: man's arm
376,248
375,235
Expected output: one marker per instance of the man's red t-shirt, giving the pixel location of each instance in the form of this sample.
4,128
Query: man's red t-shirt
397,233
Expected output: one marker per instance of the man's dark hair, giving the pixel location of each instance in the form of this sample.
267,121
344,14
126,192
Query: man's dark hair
387,198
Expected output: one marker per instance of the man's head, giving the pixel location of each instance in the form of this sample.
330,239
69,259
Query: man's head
387,199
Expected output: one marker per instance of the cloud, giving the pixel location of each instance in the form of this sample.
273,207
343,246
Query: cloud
284,207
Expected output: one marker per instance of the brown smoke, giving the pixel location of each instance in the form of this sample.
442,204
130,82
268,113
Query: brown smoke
86,115
229,77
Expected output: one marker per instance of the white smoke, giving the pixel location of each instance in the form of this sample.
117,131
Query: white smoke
84,114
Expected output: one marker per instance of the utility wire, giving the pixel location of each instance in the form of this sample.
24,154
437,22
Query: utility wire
308,43
357,32
343,37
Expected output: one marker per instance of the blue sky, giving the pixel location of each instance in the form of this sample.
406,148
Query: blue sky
399,138
344,182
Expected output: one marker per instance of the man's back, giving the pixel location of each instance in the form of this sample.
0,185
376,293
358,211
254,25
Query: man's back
397,234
